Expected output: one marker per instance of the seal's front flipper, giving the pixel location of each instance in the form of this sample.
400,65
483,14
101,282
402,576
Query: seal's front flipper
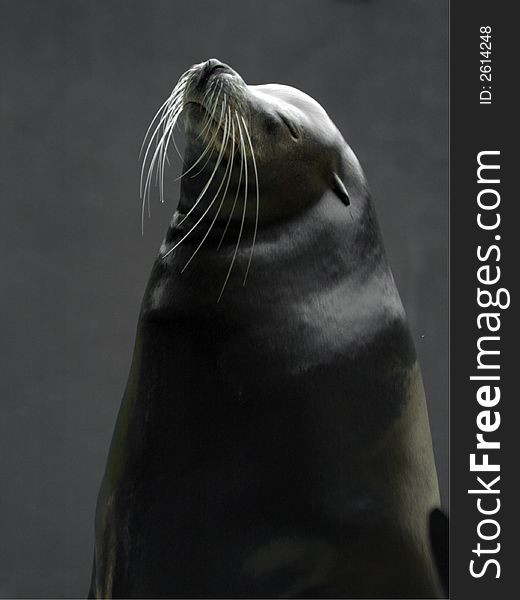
339,189
439,540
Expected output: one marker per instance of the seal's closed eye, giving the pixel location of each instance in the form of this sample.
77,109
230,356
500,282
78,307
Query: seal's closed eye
291,127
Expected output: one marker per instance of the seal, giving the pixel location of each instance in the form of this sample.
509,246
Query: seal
273,437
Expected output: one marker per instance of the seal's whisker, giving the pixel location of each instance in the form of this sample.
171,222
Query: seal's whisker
222,118
205,130
242,145
210,179
169,114
163,110
235,199
167,121
162,154
169,138
171,123
212,104
150,143
144,193
257,198
172,104
212,144
165,118
228,172
207,149
210,117
172,114
210,112
198,200
146,190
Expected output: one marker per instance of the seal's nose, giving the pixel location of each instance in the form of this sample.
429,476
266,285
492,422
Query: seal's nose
212,65
208,72
204,73
213,62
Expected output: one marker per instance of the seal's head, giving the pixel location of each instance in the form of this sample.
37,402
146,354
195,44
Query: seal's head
253,153
272,133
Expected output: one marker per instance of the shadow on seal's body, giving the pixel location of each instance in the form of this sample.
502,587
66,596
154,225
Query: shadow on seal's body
274,443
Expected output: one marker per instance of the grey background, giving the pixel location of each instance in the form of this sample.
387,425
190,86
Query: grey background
79,82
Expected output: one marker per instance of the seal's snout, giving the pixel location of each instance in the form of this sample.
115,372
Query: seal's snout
209,68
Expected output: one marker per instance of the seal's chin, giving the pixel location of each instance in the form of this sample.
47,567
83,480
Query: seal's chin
195,112
198,114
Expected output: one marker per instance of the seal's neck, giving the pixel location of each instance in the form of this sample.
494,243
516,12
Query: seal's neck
327,231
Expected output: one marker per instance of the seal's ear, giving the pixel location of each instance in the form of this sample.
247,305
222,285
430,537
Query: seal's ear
339,189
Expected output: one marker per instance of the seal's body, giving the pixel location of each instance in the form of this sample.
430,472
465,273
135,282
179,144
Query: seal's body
274,443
